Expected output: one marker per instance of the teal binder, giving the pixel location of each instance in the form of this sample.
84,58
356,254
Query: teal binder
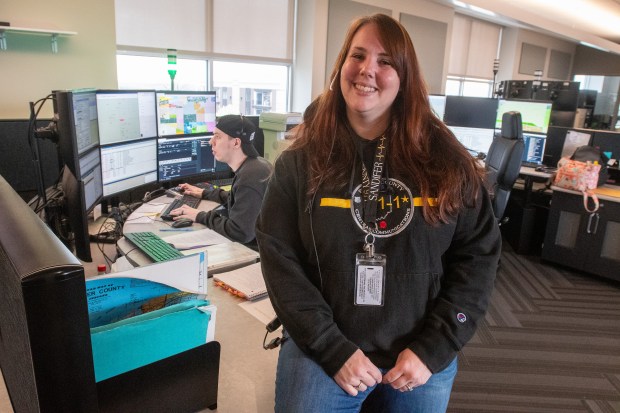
128,344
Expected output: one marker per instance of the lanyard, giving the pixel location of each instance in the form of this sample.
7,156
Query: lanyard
371,184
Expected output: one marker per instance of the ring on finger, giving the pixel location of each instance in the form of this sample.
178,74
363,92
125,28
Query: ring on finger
358,386
409,388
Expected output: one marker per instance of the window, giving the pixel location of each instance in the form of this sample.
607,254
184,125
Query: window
250,88
151,72
246,88
473,52
462,86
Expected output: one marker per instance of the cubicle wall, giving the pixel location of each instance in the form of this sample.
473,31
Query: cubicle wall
16,164
607,141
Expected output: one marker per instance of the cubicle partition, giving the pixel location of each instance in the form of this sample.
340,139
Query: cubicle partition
16,160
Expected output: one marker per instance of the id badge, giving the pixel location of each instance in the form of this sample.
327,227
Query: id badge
369,279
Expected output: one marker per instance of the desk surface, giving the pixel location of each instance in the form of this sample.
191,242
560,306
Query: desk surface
606,192
247,371
220,257
529,171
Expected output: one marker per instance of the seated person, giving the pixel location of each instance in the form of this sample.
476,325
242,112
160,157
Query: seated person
232,143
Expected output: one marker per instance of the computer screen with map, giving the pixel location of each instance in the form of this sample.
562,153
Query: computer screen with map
185,113
126,115
535,115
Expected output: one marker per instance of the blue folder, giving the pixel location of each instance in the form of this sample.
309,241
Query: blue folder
128,344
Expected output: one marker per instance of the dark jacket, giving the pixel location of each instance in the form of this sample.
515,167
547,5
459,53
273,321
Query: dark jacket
237,219
438,279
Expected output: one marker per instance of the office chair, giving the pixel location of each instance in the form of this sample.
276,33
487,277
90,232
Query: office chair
503,162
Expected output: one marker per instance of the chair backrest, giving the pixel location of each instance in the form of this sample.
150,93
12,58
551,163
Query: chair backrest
503,161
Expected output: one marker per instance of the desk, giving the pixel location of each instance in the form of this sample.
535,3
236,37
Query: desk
220,257
585,241
527,211
247,371
530,176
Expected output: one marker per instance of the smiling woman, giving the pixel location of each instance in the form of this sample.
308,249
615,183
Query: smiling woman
369,83
378,242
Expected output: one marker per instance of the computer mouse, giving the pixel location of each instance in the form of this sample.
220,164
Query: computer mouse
182,222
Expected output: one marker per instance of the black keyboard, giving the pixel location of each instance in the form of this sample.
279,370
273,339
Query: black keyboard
153,246
177,203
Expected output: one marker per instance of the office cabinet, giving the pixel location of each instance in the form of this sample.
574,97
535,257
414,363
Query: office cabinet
581,240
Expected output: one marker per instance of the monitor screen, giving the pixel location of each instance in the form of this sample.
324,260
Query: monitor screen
78,128
91,177
128,165
185,113
84,106
534,148
470,112
475,140
126,115
438,104
185,157
535,116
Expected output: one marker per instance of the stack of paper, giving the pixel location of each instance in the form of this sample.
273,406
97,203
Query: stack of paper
246,282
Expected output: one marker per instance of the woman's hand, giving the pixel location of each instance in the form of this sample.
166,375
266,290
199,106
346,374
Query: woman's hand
357,374
408,373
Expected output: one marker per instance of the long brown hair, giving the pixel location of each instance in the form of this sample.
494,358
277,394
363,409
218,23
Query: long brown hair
420,147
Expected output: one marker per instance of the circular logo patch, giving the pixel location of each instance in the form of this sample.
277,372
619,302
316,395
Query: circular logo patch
394,209
461,317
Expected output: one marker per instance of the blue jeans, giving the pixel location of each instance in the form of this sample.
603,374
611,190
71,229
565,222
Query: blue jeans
303,386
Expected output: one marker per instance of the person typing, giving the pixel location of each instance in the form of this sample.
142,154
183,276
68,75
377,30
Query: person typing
232,143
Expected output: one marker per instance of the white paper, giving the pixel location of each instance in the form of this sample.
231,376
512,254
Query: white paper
197,239
147,213
121,264
186,274
211,309
574,140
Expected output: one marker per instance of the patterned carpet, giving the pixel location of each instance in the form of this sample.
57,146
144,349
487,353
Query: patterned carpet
550,343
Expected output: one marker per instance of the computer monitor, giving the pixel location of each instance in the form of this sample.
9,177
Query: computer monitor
74,194
470,112
182,158
535,115
129,165
608,142
534,151
438,104
126,115
475,140
92,179
185,113
78,128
